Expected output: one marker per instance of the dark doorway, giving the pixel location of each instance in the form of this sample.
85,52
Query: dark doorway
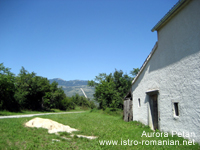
154,110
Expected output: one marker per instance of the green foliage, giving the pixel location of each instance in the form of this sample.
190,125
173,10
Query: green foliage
82,101
29,92
134,72
92,105
111,89
36,93
67,104
7,89
92,83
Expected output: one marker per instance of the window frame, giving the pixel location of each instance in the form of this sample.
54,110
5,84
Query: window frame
176,109
139,103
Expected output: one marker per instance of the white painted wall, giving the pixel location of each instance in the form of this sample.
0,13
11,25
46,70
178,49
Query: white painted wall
174,69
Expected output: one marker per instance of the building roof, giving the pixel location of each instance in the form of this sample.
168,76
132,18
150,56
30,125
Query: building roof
176,8
179,5
146,61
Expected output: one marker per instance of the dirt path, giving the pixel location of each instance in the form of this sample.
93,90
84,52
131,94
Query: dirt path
31,115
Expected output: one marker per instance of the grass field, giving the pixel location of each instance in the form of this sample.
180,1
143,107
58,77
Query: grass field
14,135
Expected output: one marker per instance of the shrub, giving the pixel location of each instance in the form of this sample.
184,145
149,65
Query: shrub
66,104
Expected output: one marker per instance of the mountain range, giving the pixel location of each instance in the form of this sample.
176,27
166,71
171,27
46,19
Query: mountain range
74,86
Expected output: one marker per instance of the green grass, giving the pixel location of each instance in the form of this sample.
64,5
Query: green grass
107,127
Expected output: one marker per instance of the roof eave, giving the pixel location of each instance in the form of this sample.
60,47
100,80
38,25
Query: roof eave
145,63
179,5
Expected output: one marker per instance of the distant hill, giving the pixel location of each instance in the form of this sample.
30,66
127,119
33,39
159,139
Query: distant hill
73,86
69,83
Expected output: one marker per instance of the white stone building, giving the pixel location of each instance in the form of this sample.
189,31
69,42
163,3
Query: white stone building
166,91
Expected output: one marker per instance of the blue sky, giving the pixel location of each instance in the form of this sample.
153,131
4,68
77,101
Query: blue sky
78,39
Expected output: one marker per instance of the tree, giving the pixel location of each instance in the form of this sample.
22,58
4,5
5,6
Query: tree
7,89
111,89
134,72
41,94
57,96
82,101
36,93
26,89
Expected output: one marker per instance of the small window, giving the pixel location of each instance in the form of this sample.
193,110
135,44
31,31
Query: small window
139,104
176,111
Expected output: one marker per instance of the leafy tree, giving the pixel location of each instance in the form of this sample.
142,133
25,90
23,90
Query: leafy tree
36,93
7,89
134,72
26,89
111,89
82,101
76,99
57,96
66,104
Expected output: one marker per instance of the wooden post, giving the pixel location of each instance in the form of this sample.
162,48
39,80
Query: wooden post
128,111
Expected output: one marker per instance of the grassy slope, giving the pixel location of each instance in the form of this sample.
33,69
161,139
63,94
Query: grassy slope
15,136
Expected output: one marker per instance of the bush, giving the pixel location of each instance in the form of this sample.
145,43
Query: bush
83,102
92,105
66,104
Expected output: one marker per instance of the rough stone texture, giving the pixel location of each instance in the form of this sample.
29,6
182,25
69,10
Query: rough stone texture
174,69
